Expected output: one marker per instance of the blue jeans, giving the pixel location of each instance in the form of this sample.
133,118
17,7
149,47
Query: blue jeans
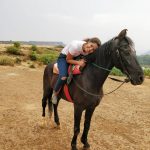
63,72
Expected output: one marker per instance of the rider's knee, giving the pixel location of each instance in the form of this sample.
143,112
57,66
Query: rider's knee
63,78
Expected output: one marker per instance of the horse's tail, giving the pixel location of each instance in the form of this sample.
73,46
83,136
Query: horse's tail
47,89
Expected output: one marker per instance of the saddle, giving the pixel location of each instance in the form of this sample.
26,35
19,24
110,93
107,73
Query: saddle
72,70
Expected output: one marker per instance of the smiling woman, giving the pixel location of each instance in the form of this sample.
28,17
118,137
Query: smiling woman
66,57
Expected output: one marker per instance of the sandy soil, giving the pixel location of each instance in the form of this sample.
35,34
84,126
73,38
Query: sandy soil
120,122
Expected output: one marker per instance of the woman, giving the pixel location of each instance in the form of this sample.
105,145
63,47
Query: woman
66,57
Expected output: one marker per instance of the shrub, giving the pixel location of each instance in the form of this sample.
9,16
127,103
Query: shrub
18,60
32,66
116,72
147,72
33,55
13,50
46,58
34,48
6,60
17,44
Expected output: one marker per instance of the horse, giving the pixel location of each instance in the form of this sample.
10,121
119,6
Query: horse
86,89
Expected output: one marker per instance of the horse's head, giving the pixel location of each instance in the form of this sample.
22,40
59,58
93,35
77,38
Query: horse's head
124,58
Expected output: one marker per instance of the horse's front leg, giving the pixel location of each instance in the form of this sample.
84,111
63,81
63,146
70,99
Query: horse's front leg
77,118
88,116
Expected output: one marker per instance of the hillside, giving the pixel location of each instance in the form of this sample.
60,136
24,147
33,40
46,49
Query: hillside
144,59
29,55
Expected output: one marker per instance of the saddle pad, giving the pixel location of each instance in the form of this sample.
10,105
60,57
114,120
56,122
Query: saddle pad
73,69
67,94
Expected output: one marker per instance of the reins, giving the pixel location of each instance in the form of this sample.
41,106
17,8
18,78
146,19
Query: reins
98,95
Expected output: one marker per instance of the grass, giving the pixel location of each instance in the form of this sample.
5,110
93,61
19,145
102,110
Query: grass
7,61
13,50
44,55
147,72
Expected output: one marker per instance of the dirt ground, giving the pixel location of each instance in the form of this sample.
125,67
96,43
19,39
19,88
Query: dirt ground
120,122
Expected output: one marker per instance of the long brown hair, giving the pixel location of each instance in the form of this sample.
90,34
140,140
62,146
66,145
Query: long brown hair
93,40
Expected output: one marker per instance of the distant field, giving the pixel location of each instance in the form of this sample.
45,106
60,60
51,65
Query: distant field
25,54
41,55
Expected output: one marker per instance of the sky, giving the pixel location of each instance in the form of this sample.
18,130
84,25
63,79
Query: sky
67,20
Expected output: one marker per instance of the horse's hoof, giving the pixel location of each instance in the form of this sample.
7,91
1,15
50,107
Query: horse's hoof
56,126
74,147
86,146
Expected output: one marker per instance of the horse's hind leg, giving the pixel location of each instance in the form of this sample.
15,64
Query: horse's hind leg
56,116
50,105
88,116
44,102
46,96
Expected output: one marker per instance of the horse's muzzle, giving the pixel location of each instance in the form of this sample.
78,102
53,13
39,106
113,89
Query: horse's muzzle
137,80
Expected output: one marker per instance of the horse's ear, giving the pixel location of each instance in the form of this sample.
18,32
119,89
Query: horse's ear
122,34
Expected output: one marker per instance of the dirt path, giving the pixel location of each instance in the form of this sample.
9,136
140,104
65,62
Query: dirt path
120,122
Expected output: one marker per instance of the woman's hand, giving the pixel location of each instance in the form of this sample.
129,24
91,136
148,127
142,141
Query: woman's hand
70,60
82,62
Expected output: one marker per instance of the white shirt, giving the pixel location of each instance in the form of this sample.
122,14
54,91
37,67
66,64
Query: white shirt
74,48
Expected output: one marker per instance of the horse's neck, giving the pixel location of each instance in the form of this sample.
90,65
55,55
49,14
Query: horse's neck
103,56
104,61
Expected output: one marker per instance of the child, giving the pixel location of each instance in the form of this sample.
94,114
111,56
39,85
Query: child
66,57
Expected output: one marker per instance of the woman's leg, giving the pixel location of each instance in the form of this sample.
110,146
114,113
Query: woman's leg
63,72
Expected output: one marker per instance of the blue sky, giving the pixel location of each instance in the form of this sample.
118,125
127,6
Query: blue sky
67,20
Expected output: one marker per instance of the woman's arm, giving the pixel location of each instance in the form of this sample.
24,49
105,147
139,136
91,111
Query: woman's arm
70,60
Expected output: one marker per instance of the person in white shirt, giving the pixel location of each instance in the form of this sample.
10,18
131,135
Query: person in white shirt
66,57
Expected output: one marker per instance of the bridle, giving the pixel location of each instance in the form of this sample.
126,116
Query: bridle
124,70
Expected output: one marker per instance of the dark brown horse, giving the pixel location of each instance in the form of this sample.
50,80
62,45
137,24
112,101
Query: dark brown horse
87,89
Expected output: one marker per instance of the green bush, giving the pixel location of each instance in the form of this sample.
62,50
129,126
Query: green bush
47,58
33,55
18,60
13,50
34,48
17,44
147,72
6,60
116,72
